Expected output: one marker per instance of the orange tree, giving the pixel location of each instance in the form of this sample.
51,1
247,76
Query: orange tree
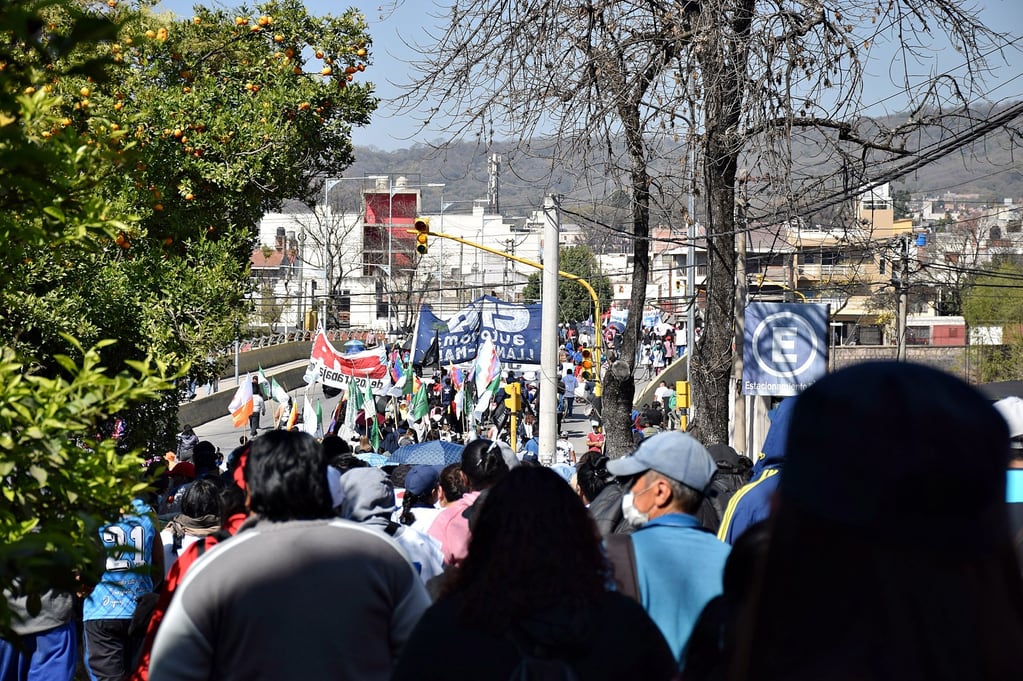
59,482
209,121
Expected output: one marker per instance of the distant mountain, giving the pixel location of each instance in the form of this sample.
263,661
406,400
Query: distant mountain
988,168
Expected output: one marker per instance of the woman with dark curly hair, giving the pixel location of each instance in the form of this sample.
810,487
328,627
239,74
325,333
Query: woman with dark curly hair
533,593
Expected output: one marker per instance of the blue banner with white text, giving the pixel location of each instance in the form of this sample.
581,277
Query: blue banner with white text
514,328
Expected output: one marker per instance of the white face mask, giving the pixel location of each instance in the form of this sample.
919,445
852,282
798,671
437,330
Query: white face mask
632,515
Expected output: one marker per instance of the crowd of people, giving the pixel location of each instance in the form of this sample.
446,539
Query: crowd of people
871,540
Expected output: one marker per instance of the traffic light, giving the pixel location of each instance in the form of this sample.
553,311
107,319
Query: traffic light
682,394
423,235
514,400
586,364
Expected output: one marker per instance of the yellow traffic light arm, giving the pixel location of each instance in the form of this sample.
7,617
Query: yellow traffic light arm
597,335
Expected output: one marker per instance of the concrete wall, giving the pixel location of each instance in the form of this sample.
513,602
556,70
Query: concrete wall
205,409
950,358
272,356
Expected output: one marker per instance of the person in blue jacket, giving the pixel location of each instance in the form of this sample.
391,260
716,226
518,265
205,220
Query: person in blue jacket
752,502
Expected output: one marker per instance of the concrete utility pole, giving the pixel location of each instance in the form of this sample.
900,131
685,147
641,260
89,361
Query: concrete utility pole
549,339
903,304
739,405
691,275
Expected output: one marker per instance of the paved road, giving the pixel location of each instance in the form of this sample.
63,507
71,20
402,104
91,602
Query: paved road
222,433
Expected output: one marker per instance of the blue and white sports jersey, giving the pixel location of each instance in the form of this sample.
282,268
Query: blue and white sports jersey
129,545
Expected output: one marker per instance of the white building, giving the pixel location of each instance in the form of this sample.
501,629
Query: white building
360,267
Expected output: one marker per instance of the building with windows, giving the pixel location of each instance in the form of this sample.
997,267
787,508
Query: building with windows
356,265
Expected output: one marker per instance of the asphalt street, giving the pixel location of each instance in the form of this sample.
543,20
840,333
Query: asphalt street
222,433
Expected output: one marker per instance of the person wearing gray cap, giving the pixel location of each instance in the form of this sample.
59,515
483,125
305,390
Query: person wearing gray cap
670,564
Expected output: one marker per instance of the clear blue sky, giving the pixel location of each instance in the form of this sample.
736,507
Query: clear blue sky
390,20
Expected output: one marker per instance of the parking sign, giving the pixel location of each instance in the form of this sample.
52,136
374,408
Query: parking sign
785,347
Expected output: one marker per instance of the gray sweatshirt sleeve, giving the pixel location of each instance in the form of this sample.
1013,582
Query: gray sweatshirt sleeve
180,652
405,617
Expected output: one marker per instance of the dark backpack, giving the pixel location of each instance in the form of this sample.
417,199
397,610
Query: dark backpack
532,667
727,480
537,669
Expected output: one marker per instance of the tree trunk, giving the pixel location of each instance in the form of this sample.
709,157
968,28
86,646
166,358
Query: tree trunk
723,63
620,385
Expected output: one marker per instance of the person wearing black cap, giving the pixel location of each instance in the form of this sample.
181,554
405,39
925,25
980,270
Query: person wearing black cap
678,565
890,554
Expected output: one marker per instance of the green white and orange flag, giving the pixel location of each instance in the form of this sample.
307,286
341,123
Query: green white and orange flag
241,404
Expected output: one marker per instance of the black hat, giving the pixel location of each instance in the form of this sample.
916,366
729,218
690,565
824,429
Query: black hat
902,452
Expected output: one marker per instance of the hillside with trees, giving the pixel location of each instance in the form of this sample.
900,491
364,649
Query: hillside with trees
987,168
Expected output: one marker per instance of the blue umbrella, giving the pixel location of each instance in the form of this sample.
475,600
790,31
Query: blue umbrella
354,345
430,453
372,458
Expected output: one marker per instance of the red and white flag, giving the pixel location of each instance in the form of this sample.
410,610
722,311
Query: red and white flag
241,404
336,369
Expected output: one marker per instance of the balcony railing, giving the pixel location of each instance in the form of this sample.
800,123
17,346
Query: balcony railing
818,271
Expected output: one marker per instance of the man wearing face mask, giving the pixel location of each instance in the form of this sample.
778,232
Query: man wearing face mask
670,564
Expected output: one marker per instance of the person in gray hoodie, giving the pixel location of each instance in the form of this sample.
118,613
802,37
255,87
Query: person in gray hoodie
369,499
297,593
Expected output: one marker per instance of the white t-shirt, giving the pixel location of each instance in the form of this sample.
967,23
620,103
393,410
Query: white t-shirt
663,391
169,554
565,451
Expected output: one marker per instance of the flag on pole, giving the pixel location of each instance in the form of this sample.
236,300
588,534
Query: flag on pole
397,367
457,379
309,422
293,419
336,417
458,404
353,399
420,404
277,393
487,369
263,380
241,404
369,408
